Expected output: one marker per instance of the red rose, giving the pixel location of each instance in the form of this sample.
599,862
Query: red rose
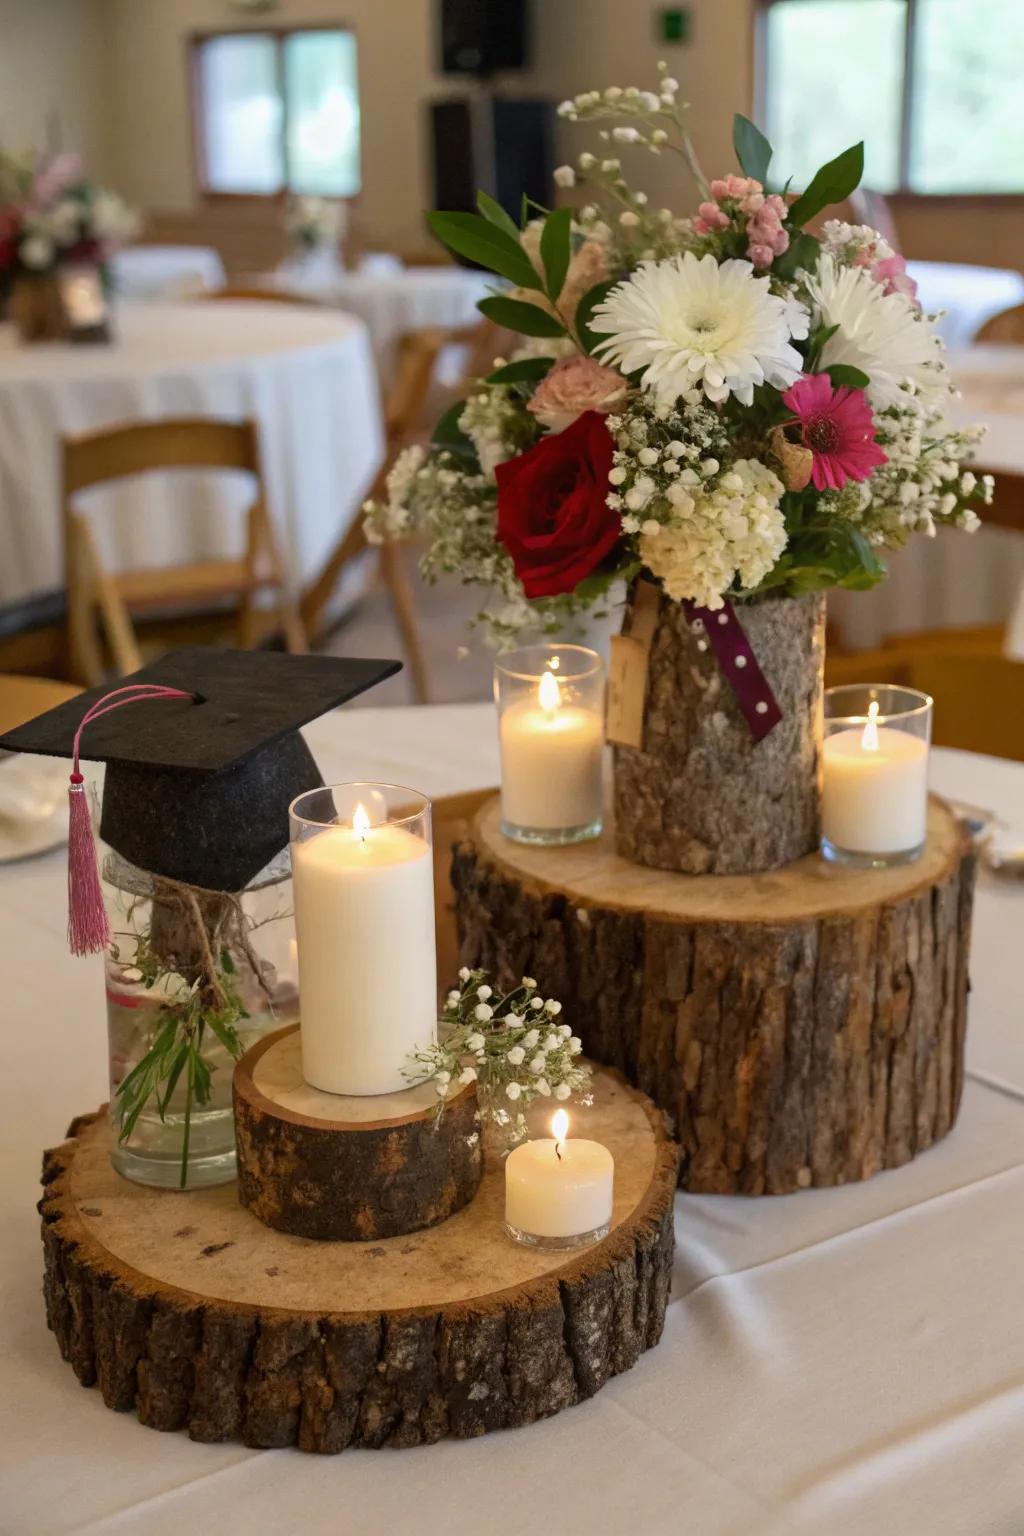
552,515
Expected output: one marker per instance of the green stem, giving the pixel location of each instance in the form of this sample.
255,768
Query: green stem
190,1079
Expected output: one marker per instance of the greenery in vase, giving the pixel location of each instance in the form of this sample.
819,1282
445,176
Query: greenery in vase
724,400
510,1044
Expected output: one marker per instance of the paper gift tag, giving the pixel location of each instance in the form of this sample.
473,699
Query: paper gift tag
627,678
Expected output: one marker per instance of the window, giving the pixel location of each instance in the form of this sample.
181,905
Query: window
277,112
931,86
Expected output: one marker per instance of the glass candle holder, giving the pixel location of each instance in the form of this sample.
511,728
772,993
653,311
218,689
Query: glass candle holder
550,703
363,877
874,795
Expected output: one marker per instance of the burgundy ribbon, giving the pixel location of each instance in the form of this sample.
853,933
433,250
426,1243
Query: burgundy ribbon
736,658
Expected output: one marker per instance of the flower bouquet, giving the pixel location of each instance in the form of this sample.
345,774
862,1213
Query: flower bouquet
314,228
725,414
52,219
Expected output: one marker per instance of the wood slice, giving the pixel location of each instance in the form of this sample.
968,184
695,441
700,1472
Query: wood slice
187,1310
802,1027
330,1166
702,797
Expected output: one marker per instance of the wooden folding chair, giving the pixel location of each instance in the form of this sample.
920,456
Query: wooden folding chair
253,294
406,421
1007,326
115,453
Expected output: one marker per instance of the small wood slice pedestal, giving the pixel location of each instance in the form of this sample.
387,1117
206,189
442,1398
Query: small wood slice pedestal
803,1026
187,1310
333,1167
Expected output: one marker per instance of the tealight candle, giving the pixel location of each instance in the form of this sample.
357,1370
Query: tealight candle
364,919
874,795
558,1193
551,735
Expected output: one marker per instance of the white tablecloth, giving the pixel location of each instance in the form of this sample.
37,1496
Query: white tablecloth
957,578
968,295
308,378
395,301
845,1361
166,271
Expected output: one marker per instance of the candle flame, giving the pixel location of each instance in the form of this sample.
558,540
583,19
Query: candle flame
548,693
559,1126
360,823
869,741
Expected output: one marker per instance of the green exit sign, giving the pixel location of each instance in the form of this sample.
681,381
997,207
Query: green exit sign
674,24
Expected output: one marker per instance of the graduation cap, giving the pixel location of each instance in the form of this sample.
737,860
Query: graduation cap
203,766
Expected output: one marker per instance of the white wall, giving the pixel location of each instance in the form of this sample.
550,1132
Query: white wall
51,77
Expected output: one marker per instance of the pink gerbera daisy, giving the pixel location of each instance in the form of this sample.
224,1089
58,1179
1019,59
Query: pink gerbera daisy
836,425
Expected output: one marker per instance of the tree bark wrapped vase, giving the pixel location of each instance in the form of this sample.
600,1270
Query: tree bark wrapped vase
36,308
698,794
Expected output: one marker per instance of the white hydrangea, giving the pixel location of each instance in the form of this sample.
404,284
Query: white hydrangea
728,529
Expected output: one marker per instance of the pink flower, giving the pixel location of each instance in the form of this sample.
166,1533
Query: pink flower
712,217
574,385
893,275
836,425
54,177
761,255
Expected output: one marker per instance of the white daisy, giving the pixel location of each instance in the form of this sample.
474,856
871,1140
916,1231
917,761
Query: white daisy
882,334
694,324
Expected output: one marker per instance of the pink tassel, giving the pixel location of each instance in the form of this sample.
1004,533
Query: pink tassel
88,926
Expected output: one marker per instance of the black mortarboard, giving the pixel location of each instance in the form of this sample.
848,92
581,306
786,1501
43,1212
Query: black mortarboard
199,792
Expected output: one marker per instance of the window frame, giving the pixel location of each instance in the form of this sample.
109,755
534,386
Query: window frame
195,41
903,194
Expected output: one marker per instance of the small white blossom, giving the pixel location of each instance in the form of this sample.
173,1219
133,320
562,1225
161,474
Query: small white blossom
552,1042
512,1091
516,1056
553,1006
483,1012
465,973
538,1063
454,998
536,1002
531,1037
561,1092
529,983
467,1075
475,1042
629,220
483,993
565,176
441,1089
575,1045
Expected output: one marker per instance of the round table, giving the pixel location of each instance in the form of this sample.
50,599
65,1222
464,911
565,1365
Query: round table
166,271
842,1361
392,299
307,377
957,578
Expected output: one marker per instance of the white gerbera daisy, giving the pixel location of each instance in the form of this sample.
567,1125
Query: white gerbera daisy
882,334
694,324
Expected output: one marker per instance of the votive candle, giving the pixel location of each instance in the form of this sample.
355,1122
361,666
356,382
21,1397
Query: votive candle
558,1192
874,799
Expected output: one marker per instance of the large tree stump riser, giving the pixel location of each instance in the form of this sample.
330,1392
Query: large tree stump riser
801,1054
224,1371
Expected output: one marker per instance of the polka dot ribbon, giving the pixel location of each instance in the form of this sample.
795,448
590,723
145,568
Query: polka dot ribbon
736,658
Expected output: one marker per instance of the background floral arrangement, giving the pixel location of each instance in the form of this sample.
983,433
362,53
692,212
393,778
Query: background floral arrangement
725,401
312,223
50,215
510,1044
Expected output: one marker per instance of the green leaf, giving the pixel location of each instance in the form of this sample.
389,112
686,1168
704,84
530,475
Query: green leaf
845,373
171,1083
834,182
227,964
518,315
585,310
480,241
495,214
803,251
753,150
527,371
598,583
555,249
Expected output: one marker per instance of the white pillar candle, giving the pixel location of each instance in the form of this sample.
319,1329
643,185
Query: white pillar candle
364,916
551,761
874,797
558,1189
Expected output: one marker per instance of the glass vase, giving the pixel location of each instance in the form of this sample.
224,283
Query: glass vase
193,978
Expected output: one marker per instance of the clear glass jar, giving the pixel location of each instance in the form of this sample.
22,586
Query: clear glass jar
550,703
874,774
193,978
